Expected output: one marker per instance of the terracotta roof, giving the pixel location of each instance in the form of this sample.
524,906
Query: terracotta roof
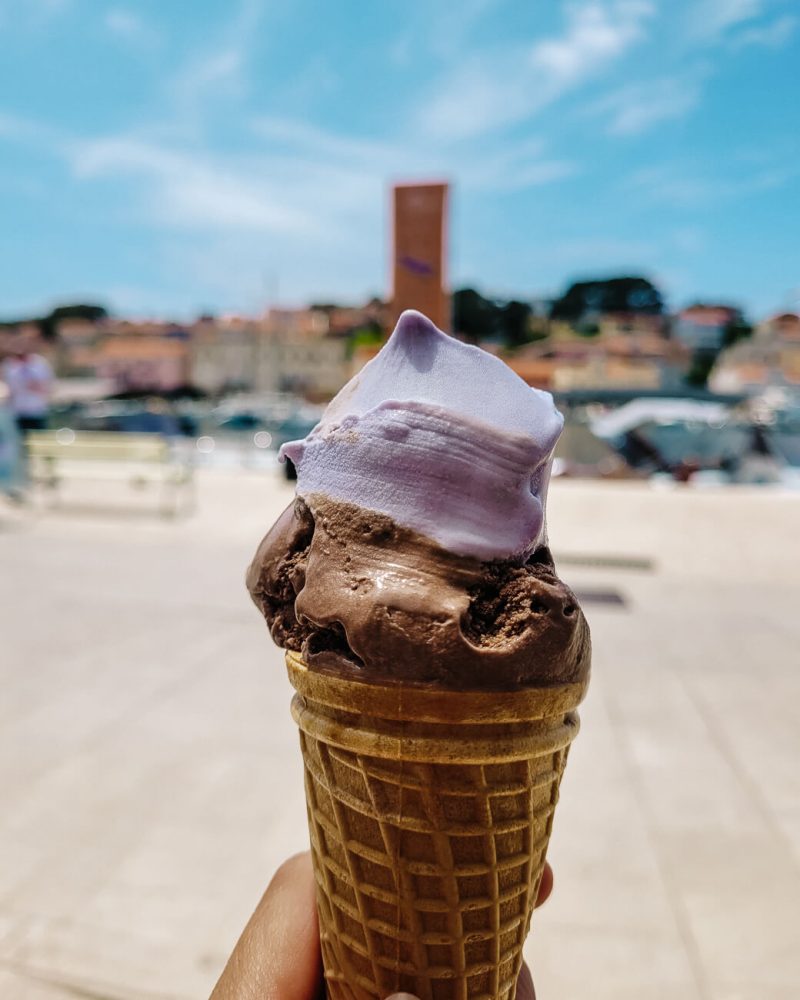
141,348
708,315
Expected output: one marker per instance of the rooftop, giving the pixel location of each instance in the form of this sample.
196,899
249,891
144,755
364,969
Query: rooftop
151,775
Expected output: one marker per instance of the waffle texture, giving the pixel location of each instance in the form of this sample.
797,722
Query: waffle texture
430,813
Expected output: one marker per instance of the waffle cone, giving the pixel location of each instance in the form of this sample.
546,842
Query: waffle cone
430,813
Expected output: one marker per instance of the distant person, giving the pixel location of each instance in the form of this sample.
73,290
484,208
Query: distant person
29,379
685,469
11,469
758,465
639,453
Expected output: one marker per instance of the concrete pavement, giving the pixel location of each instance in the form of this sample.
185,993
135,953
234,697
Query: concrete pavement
151,780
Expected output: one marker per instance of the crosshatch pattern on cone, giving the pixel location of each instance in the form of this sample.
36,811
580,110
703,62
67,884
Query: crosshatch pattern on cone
427,870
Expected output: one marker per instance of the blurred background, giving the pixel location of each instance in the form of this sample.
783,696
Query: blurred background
212,216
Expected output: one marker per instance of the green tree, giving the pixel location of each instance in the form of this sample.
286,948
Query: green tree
700,368
364,336
515,323
474,316
49,324
608,295
78,311
738,329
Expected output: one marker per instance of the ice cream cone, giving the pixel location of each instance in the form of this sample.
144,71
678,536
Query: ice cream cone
430,812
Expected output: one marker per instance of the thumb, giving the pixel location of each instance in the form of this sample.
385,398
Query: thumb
278,953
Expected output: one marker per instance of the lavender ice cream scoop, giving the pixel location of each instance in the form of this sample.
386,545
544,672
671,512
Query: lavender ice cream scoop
416,551
441,437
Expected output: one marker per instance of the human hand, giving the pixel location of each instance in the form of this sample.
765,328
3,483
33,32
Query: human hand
278,955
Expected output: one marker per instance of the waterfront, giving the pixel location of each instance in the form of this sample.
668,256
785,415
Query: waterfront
152,779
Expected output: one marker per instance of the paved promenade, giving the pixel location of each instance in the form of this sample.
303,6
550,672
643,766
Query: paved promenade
151,782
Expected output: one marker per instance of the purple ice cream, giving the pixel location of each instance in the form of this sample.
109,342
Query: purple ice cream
416,550
443,438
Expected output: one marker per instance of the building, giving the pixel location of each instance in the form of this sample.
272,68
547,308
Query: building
419,268
285,350
143,362
76,347
782,327
128,355
770,358
536,371
632,324
297,353
343,321
606,372
224,353
620,361
703,327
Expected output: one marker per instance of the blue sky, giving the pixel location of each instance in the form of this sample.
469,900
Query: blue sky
166,157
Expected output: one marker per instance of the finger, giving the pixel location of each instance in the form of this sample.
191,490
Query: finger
525,990
278,953
545,885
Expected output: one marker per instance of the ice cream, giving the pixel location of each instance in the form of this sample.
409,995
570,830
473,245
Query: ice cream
437,661
416,550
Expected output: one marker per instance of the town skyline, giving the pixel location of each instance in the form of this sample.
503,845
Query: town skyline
539,305
232,156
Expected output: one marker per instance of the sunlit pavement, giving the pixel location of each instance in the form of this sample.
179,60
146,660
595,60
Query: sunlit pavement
151,776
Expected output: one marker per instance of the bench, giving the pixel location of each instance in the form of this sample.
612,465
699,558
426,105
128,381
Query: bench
54,456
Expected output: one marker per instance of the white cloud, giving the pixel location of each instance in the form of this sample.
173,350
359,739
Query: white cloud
440,29
212,72
34,13
515,166
219,69
185,189
299,185
127,25
308,139
596,34
602,252
772,35
709,20
48,7
672,184
28,131
689,239
448,26
638,107
317,79
513,83
300,193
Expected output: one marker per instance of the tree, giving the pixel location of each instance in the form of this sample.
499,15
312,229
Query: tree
49,324
478,318
738,329
704,358
608,295
515,319
369,334
474,316
700,368
78,311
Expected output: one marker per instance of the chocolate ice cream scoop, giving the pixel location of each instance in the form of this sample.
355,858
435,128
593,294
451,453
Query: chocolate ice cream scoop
360,596
416,549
